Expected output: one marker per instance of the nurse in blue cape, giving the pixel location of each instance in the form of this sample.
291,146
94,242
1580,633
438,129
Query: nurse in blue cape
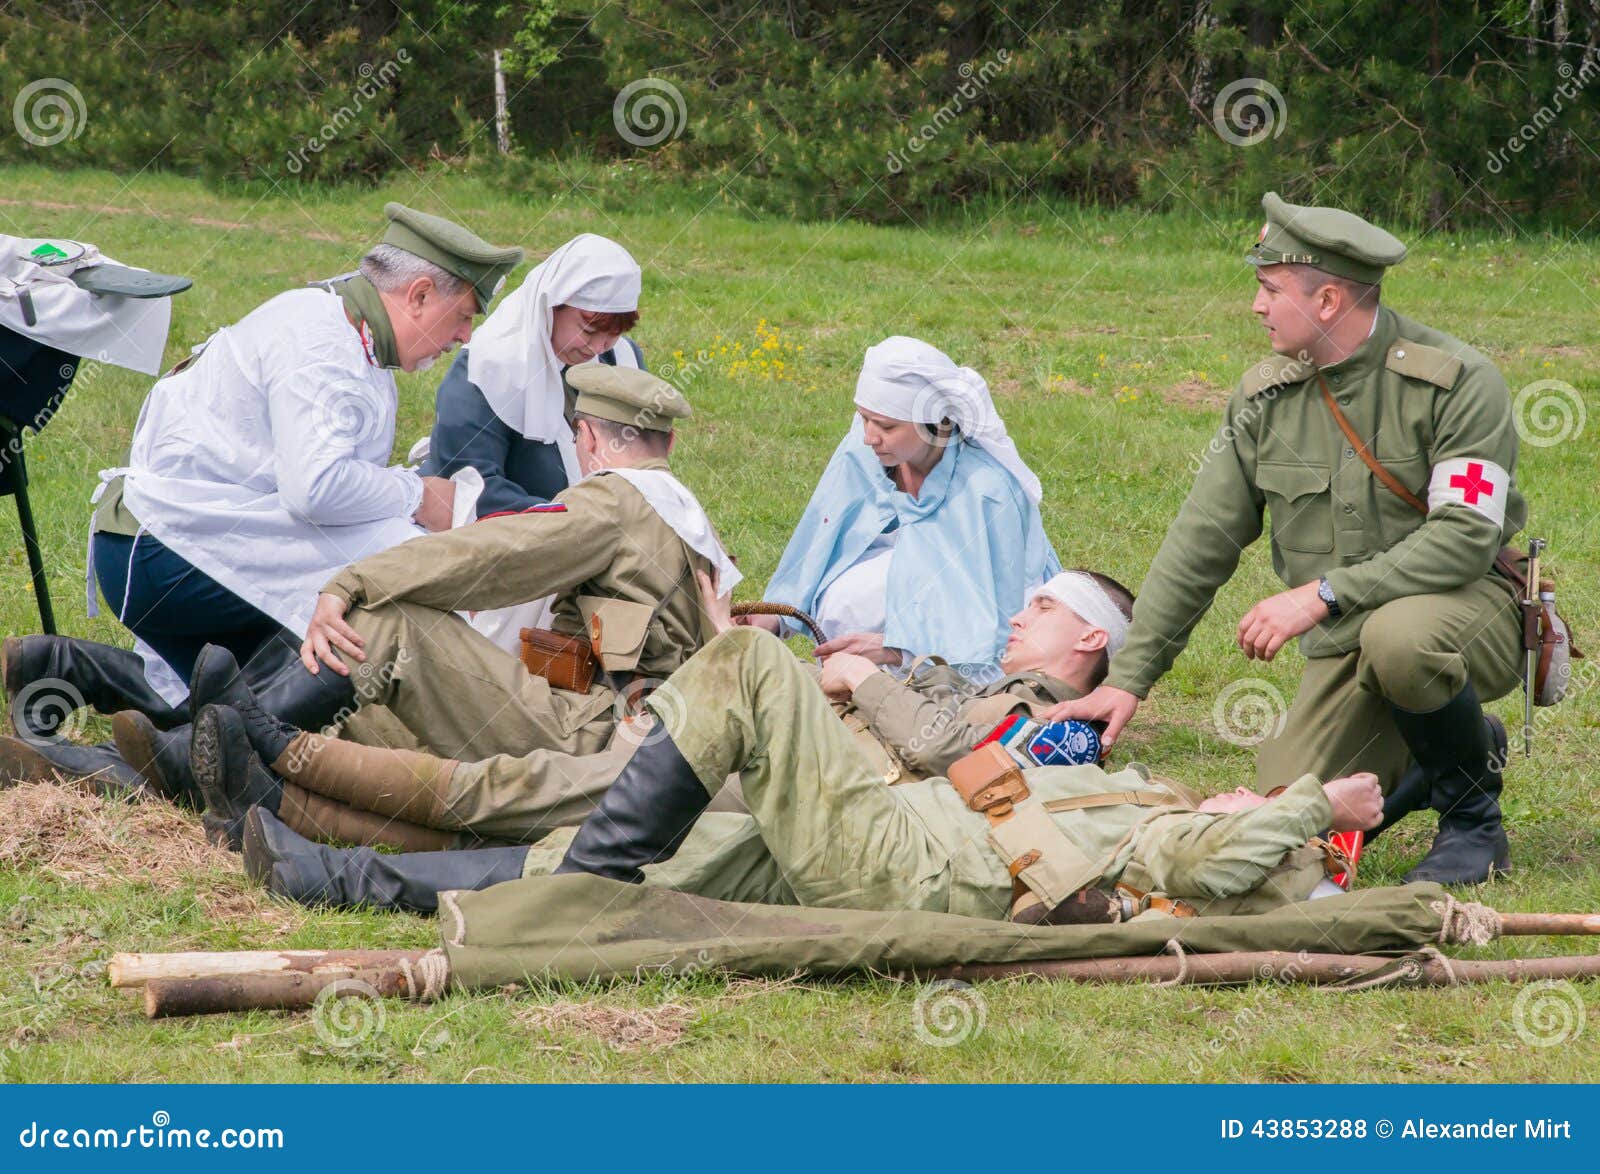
924,534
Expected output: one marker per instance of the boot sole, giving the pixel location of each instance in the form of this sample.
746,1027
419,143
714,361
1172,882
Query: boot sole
258,857
212,766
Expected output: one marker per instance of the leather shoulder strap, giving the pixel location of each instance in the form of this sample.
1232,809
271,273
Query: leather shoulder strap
1390,481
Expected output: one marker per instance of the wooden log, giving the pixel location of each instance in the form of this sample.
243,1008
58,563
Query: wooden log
135,970
283,991
1554,924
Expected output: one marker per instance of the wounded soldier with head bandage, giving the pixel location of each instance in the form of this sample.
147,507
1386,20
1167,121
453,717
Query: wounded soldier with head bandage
984,833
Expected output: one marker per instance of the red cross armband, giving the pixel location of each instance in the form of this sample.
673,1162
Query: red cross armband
1480,485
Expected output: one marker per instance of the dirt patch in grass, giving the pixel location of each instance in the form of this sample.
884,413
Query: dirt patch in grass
1195,393
622,1029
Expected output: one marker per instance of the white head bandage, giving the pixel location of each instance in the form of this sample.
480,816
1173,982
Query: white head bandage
1088,599
907,379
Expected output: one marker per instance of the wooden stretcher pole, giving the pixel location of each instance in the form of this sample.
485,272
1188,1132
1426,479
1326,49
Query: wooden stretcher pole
1514,925
1236,969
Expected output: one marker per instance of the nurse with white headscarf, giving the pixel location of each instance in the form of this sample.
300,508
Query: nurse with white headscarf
924,534
503,408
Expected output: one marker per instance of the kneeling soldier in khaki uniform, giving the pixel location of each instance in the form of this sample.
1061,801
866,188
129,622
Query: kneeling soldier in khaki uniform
907,730
1070,843
1385,453
621,547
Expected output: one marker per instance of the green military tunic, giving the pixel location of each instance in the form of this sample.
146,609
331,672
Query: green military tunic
604,549
824,831
1423,611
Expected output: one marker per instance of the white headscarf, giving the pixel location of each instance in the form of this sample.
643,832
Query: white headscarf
1089,600
906,379
510,358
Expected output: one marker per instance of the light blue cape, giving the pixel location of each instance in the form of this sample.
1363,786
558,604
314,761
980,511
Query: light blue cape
966,549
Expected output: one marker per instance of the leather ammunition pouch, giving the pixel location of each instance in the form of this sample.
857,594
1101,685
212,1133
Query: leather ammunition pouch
567,662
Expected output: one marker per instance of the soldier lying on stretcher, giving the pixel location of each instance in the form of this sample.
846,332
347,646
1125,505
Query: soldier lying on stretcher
1052,843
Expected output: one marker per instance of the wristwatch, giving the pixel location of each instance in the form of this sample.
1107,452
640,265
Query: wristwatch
1325,593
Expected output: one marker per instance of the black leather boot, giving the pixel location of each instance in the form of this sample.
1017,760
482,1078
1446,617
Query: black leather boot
292,866
1462,753
307,700
1411,793
160,756
45,761
65,674
230,774
643,816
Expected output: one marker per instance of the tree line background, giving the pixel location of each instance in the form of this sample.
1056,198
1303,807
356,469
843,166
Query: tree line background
811,109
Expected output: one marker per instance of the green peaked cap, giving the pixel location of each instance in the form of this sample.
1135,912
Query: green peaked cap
1331,239
451,247
627,395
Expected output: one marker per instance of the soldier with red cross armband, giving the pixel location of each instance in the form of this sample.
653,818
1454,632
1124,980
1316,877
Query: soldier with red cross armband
1384,453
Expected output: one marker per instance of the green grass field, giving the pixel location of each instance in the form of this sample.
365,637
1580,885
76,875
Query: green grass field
1110,340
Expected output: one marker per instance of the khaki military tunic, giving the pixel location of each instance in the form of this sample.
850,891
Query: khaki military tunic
824,831
605,549
1423,612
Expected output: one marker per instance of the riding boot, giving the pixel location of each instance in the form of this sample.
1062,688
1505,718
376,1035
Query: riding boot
56,675
160,756
1410,794
291,694
1461,753
643,817
292,866
47,760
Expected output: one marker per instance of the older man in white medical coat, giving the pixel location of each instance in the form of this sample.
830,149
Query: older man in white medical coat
260,466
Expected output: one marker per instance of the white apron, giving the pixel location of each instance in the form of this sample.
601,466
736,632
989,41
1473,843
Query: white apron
264,464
